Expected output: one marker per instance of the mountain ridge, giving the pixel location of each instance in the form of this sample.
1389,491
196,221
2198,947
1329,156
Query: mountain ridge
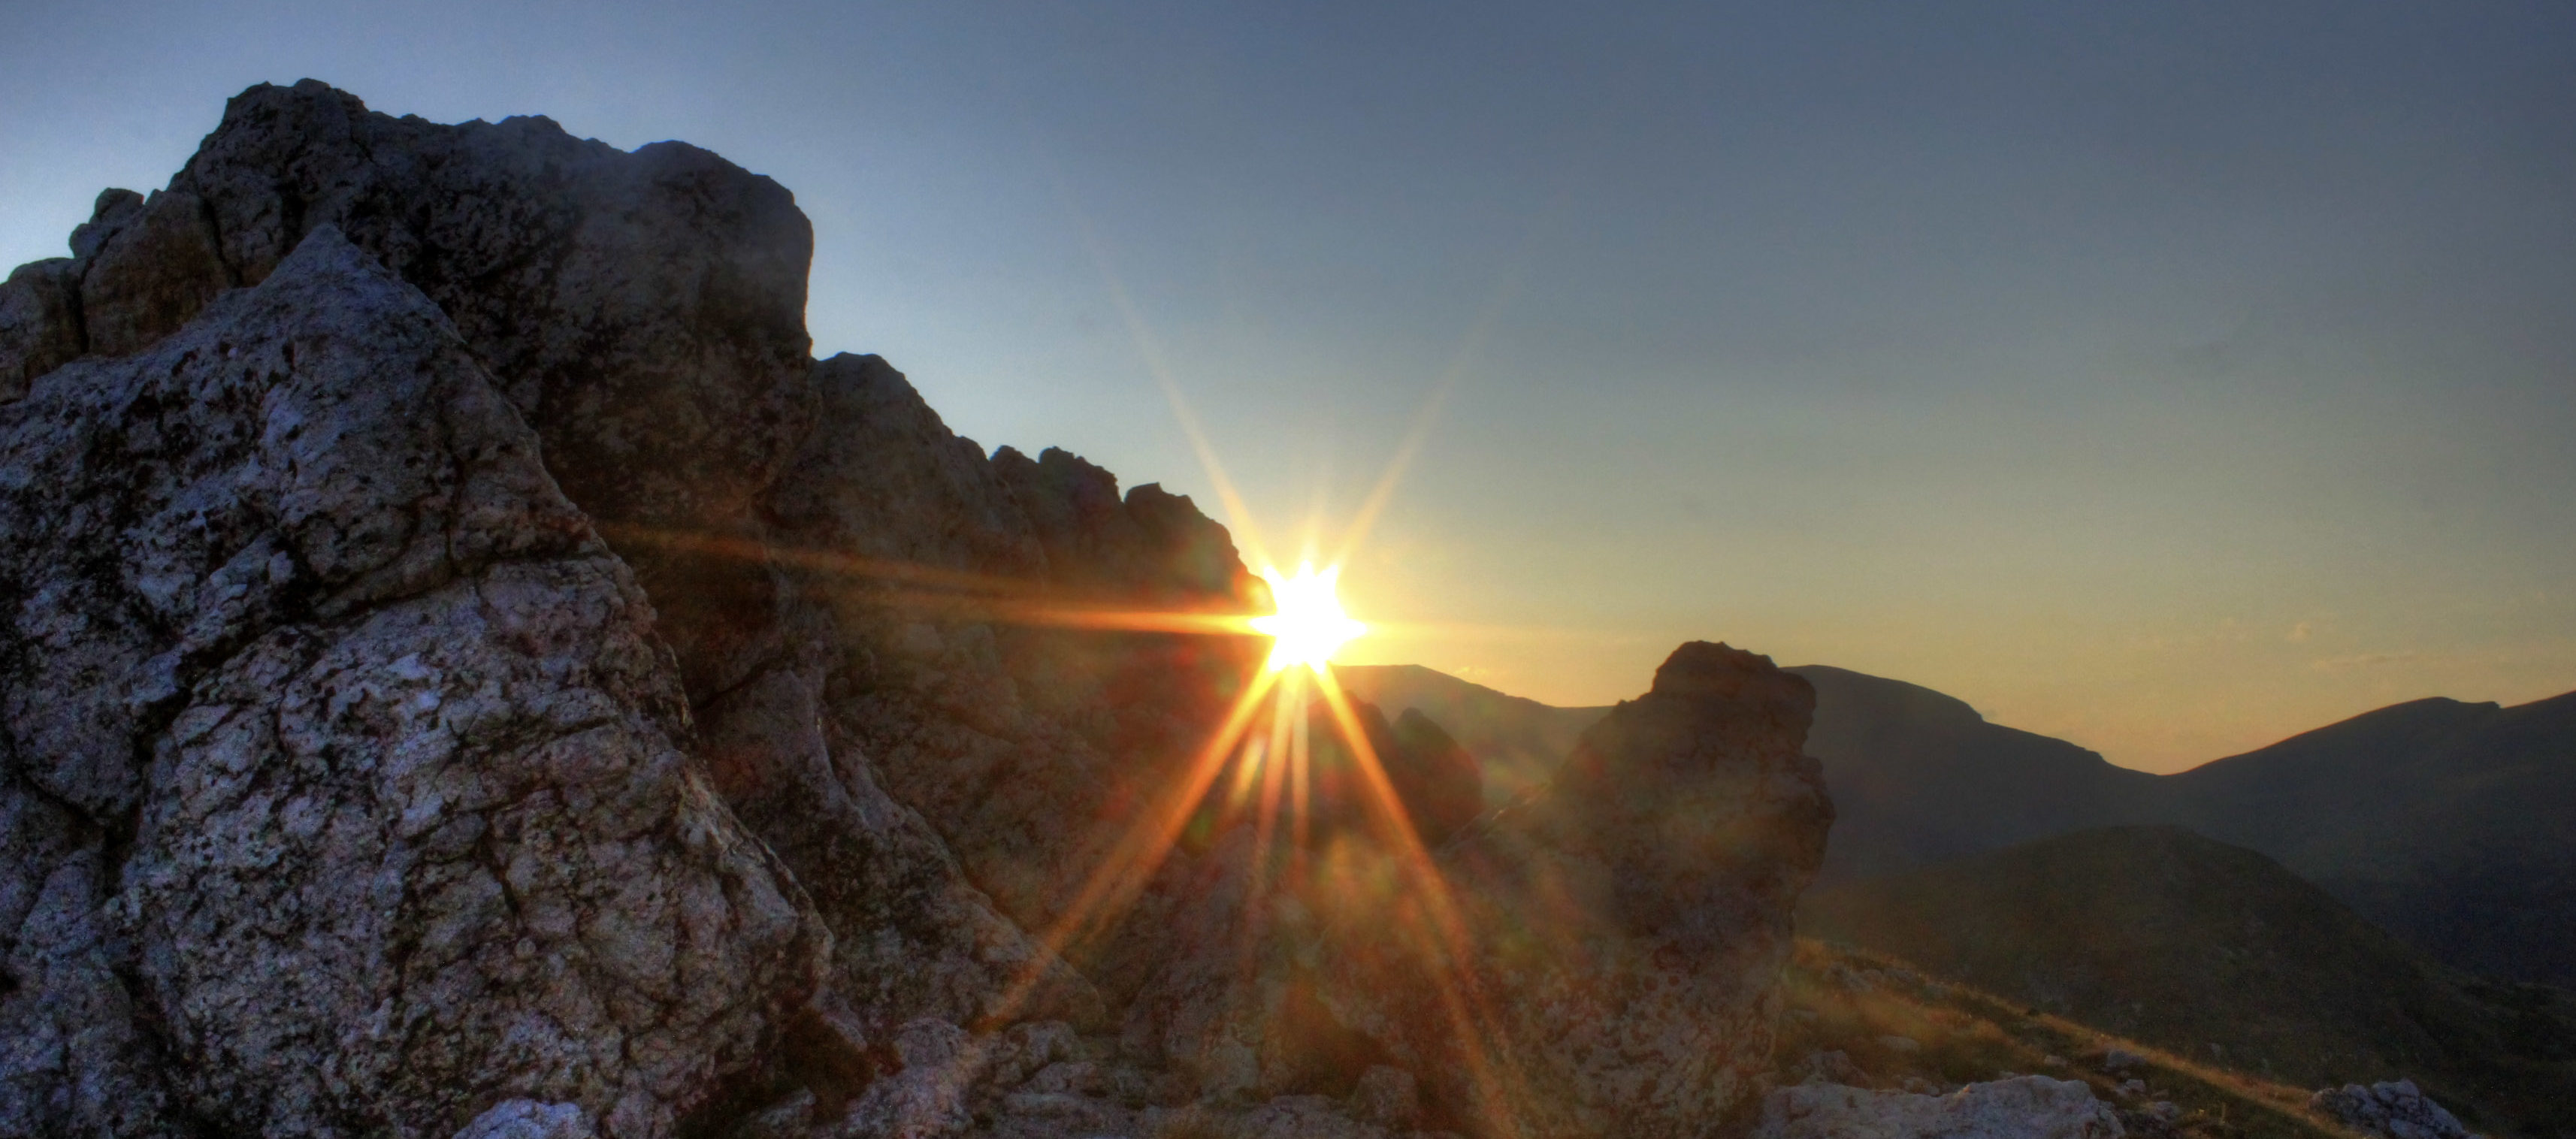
2438,819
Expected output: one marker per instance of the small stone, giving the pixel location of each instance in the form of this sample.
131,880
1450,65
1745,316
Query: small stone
2395,1109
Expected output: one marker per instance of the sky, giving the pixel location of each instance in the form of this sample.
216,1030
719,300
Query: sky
2168,378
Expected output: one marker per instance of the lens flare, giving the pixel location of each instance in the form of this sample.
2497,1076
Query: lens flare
1308,624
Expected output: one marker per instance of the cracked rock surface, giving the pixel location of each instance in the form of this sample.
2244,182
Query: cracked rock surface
344,788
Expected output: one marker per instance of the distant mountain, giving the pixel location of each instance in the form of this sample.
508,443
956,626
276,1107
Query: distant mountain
1918,777
1517,740
2159,934
2450,824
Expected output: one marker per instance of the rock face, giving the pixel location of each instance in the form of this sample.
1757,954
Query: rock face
2396,1109
2030,1107
467,672
1623,926
344,784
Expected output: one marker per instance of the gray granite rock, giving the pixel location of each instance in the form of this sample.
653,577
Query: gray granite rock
343,772
2396,1109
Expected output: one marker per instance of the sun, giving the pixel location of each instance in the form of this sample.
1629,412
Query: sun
1308,625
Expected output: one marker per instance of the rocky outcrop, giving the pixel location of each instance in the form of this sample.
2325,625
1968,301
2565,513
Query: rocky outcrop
344,778
467,672
644,311
2396,1109
1612,964
2027,1107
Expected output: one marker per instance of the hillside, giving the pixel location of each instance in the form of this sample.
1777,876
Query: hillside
2448,823
1921,778
1863,1017
2217,952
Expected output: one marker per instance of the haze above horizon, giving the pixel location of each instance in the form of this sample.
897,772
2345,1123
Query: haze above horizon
2169,380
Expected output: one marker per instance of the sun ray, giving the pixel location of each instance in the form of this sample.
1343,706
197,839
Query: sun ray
1237,514
1141,849
1470,346
1454,950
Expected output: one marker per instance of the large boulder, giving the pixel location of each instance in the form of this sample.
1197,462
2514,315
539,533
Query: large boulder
644,311
343,785
2026,1107
1607,958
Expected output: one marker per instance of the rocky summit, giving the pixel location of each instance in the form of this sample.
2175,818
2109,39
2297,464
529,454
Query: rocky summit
468,671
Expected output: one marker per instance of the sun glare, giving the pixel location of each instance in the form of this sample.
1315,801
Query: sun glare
1309,625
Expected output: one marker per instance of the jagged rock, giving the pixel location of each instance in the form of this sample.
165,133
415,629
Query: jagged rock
40,328
1623,925
342,769
2029,1107
644,311
2396,1109
1030,750
529,1119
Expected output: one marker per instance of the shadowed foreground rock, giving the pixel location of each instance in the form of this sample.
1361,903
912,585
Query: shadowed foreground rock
344,788
1624,924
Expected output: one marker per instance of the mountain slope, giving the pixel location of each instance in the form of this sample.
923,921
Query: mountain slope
2444,822
2448,823
1921,778
2183,942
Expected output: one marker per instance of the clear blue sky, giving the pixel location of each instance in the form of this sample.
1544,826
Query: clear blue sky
2167,377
